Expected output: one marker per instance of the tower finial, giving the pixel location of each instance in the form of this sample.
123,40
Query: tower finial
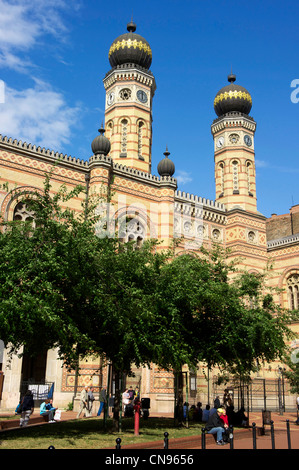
101,130
166,153
232,77
131,27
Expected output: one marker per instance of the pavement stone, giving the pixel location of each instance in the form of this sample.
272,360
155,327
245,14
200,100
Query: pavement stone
243,438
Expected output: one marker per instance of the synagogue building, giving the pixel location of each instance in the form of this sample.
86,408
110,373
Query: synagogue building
147,202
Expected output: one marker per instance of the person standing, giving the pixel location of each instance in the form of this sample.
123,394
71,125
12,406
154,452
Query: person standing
83,402
131,393
137,393
90,400
126,399
102,401
27,408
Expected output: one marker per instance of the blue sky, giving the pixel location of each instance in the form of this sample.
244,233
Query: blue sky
54,56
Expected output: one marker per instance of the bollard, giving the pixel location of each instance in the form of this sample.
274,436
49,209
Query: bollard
166,440
203,438
272,434
254,435
231,437
118,441
288,434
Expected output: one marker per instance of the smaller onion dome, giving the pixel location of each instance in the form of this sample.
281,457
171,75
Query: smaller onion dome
100,144
166,166
130,48
232,98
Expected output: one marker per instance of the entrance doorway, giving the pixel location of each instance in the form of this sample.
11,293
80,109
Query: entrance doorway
33,377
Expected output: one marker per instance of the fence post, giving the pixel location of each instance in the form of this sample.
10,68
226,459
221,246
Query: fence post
203,438
166,440
231,437
254,435
118,441
288,434
272,434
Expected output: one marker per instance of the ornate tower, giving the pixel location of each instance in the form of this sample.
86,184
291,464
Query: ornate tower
233,133
130,87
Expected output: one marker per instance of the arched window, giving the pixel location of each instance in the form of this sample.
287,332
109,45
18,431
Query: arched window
221,174
249,173
22,213
124,138
293,291
235,167
132,229
140,140
109,129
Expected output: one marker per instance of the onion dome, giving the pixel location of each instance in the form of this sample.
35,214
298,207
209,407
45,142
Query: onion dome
232,98
166,166
100,144
130,48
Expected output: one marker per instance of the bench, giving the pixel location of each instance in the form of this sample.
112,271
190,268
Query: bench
15,423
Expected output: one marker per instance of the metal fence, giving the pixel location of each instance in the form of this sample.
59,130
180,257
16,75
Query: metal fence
40,391
261,394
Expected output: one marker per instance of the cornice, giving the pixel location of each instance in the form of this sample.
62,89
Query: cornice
283,242
233,120
238,210
196,206
41,153
130,72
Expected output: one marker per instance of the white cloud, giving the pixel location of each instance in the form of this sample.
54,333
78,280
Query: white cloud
38,115
261,163
183,177
24,24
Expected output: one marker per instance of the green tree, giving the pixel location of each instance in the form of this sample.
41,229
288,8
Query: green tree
292,373
224,317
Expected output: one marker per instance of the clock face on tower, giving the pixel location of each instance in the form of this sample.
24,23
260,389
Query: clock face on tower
110,98
142,96
220,142
247,140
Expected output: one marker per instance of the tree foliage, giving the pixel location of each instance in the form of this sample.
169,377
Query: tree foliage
63,286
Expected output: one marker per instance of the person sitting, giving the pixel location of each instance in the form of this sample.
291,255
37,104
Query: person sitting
240,418
191,413
224,418
215,426
47,410
197,416
206,414
185,410
231,414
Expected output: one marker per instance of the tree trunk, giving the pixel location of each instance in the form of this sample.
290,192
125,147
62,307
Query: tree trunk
116,404
180,398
